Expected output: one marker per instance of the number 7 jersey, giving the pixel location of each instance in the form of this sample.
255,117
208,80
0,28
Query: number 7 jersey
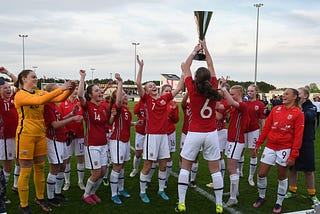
203,117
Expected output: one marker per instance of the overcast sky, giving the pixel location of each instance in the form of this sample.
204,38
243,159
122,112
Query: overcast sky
65,36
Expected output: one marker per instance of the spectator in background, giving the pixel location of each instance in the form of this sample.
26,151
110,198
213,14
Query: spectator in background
316,102
305,161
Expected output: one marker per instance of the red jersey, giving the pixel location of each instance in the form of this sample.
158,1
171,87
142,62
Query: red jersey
122,124
9,117
140,111
96,117
173,116
255,112
156,113
222,122
238,123
203,109
52,113
186,118
66,108
284,130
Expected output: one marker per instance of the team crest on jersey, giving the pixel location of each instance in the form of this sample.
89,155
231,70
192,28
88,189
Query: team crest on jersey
96,163
163,102
256,107
289,117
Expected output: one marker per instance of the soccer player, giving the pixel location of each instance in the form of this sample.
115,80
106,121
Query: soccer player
9,123
202,131
257,117
305,161
96,115
235,145
31,145
75,138
156,140
57,148
140,111
284,129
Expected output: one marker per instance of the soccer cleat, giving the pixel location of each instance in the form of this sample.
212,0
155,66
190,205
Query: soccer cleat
88,200
6,200
210,185
133,173
163,195
192,184
124,194
144,198
259,202
181,207
25,210
314,199
60,197
43,205
66,187
54,202
277,208
116,199
290,195
219,208
81,186
14,189
95,198
231,202
105,181
251,182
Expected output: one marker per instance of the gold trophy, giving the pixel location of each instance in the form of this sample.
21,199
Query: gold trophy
202,19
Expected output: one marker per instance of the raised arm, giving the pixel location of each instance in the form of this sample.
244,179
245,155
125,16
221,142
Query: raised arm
119,89
186,70
3,70
184,101
179,86
107,86
208,58
81,88
61,123
226,94
139,77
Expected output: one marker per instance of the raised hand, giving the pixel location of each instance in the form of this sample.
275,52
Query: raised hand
140,62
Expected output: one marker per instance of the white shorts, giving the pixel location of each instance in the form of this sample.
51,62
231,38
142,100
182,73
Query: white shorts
7,149
172,142
251,138
223,136
119,151
95,156
271,157
76,147
197,140
156,147
182,139
57,151
139,141
234,150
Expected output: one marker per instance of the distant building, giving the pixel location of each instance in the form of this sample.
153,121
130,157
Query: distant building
170,79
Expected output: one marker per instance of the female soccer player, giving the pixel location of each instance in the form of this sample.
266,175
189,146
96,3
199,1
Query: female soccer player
305,161
31,145
57,148
284,130
156,140
202,132
96,115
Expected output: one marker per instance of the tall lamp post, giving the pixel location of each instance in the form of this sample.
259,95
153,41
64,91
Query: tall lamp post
257,37
92,69
23,36
135,60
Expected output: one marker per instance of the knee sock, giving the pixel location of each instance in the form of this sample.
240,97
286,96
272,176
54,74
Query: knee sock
96,186
39,180
253,166
89,186
121,180
262,186
183,182
234,185
6,176
51,182
23,186
114,179
169,168
143,182
136,162
80,170
217,181
194,170
240,165
282,189
16,176
162,179
222,167
67,174
59,182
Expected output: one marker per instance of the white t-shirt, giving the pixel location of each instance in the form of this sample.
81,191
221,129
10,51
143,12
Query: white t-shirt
317,104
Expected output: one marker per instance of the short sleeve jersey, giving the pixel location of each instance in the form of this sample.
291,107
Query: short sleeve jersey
255,112
140,111
122,124
238,123
9,117
52,113
157,113
96,118
203,109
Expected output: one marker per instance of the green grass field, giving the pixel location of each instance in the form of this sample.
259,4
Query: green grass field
195,202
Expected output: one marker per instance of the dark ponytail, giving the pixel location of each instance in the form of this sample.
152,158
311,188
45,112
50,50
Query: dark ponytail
203,84
24,73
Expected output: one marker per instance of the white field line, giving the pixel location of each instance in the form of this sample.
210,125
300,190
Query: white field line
204,193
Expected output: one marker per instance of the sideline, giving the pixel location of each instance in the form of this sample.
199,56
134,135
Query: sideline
204,193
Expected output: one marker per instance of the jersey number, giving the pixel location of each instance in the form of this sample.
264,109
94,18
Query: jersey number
206,111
